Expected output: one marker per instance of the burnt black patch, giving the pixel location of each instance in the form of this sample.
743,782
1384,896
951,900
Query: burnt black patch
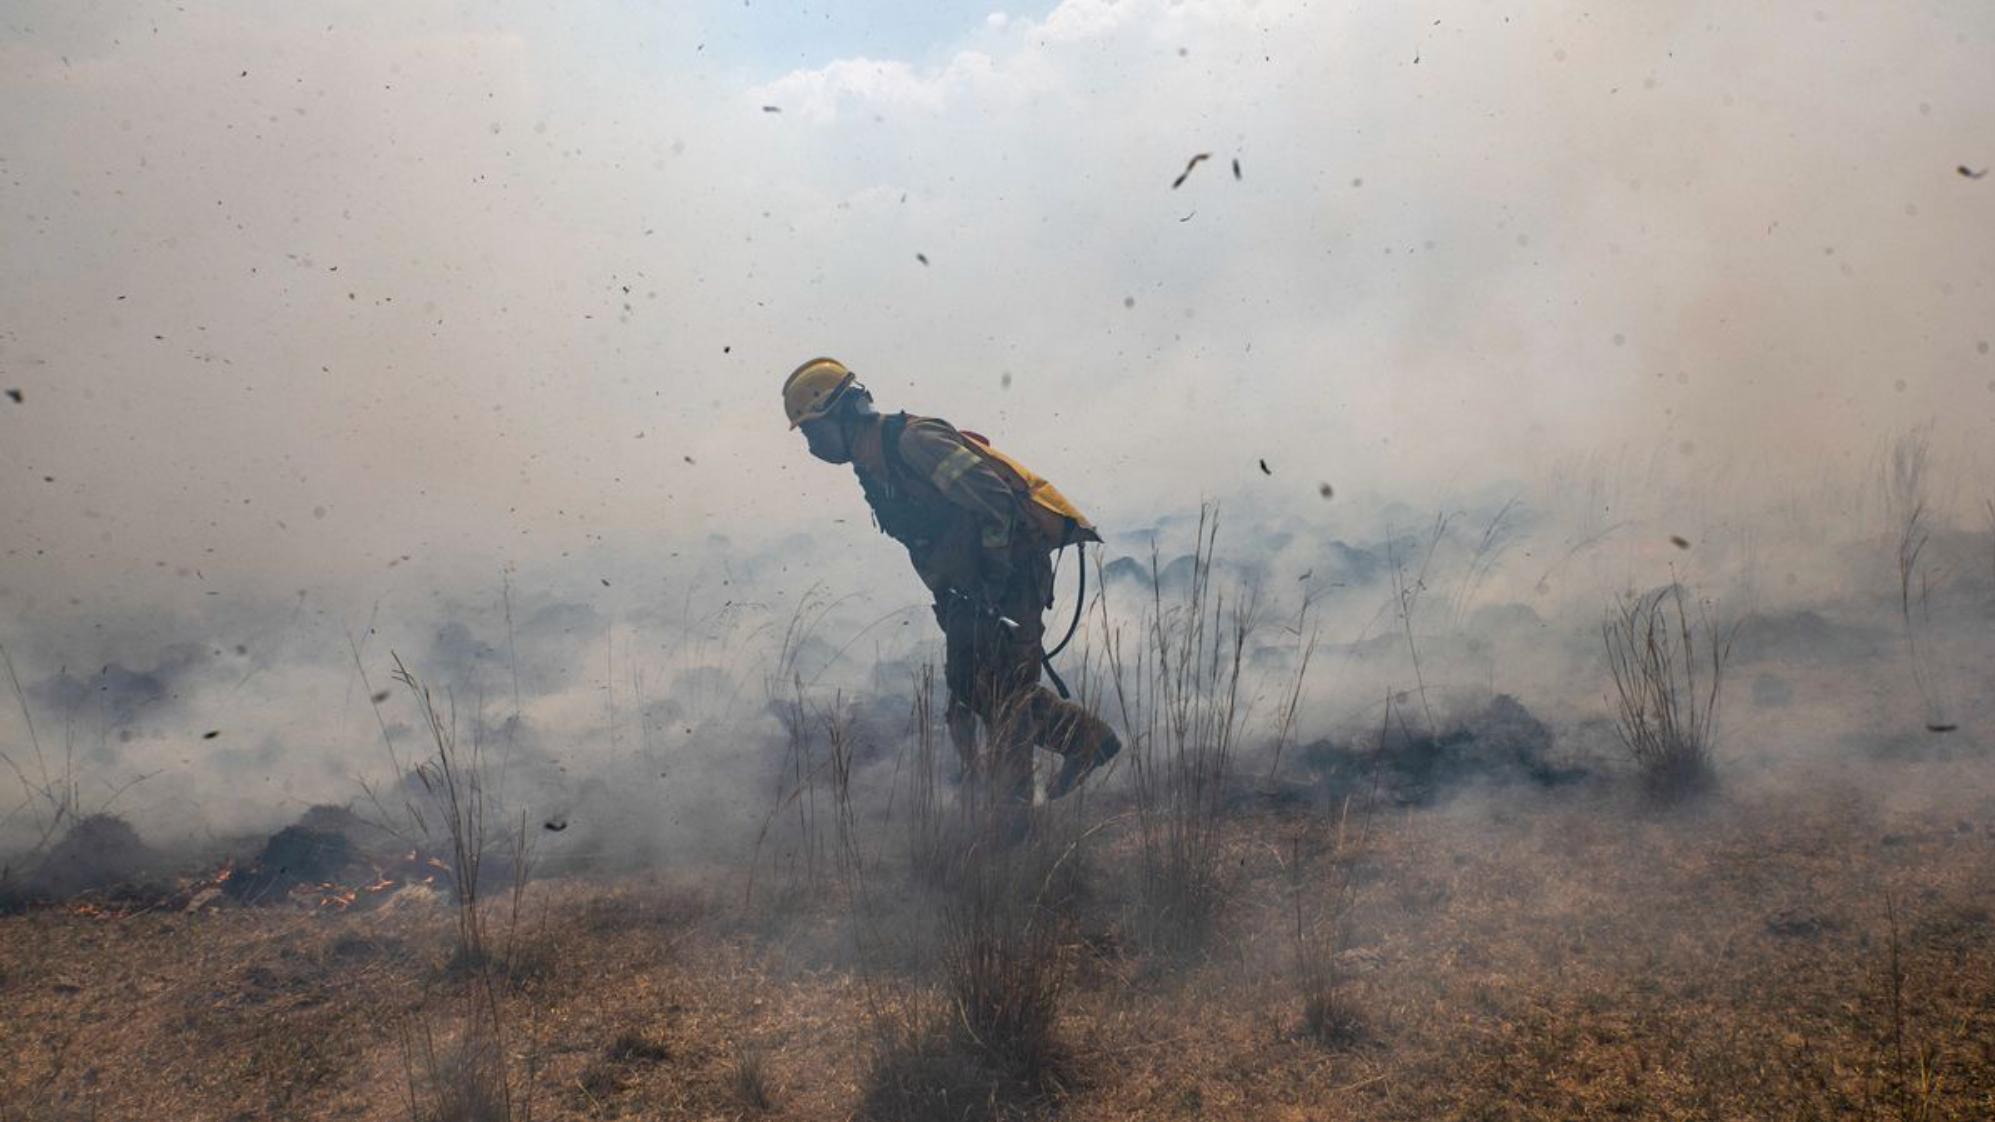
1500,743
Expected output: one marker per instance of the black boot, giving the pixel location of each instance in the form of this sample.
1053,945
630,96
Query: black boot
1077,766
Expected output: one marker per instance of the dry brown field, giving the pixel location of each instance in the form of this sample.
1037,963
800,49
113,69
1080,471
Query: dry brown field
1812,951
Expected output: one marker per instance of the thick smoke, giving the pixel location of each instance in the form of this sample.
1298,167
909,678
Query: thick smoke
455,336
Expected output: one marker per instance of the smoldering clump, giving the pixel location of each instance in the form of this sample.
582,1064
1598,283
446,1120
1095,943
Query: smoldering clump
1496,744
100,852
327,843
293,856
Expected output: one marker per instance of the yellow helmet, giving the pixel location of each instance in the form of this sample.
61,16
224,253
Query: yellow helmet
813,388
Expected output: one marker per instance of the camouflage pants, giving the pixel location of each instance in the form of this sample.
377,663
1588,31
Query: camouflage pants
992,670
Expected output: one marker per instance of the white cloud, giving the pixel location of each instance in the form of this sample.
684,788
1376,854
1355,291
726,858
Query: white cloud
1082,19
873,86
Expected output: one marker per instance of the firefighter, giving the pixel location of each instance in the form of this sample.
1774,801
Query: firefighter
981,530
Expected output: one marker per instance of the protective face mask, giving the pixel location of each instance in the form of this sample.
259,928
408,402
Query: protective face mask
827,441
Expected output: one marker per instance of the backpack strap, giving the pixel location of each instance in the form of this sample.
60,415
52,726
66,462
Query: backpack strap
890,448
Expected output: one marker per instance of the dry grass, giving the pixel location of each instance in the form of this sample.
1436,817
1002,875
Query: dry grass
1178,691
1324,892
1827,954
929,856
459,1079
1002,958
471,1073
58,815
1666,715
751,1082
1162,950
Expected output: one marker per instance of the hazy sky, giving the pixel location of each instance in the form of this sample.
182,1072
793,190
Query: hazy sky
324,316
292,291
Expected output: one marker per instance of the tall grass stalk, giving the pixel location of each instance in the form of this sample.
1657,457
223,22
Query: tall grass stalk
1179,691
52,795
454,784
1666,716
1406,594
797,791
469,1077
1329,1014
1307,636
926,853
1915,587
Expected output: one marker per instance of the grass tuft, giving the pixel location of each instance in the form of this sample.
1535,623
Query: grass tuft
633,1046
1666,716
750,1081
1002,962
1180,692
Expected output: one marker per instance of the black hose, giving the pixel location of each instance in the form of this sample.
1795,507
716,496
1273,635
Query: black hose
1080,604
